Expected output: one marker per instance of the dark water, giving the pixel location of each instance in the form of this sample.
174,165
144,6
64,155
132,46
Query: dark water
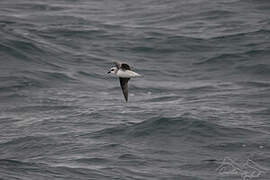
204,95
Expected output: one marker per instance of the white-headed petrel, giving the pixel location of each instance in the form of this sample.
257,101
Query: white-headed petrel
123,71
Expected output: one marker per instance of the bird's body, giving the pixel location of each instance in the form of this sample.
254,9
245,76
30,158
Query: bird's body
124,73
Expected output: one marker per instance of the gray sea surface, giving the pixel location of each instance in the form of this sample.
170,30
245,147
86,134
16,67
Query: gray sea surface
200,111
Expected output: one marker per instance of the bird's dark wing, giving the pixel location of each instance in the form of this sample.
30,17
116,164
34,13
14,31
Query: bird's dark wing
117,64
124,86
125,67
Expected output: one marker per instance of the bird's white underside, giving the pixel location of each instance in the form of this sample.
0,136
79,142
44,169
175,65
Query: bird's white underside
126,74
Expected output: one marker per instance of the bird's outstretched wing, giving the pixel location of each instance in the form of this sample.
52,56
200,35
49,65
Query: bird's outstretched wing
125,66
124,86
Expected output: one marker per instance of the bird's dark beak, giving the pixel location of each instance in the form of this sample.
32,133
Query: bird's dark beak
109,72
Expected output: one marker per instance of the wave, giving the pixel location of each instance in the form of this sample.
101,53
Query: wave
216,13
94,160
221,59
261,84
28,53
30,170
233,58
39,7
29,141
241,35
181,127
164,98
90,75
15,83
258,69
34,79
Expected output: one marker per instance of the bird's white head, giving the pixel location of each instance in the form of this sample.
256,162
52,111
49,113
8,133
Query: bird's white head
113,70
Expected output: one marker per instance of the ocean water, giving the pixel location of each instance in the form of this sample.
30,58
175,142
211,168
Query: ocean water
201,111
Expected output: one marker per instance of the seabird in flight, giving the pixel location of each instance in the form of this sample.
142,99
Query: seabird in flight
123,71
